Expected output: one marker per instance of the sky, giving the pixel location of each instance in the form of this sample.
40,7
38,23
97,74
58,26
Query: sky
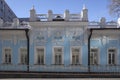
96,8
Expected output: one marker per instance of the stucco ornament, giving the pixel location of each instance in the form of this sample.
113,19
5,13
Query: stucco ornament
118,22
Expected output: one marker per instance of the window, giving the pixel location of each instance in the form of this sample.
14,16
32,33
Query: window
7,56
111,56
58,55
23,56
40,56
1,10
75,56
1,2
94,56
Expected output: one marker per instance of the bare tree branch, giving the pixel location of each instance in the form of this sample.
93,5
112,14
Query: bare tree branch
114,7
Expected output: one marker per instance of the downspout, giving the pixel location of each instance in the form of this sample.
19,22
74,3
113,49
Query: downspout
27,36
89,50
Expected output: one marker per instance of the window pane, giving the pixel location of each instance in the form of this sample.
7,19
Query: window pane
9,58
38,60
95,58
91,59
56,61
73,59
42,59
60,59
5,58
77,59
113,59
25,59
109,59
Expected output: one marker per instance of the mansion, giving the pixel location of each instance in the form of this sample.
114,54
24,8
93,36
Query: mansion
60,43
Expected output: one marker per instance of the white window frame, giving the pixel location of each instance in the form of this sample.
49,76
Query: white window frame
3,58
116,54
80,54
98,55
20,54
35,54
53,56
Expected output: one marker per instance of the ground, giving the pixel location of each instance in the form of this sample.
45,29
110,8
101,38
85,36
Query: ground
64,79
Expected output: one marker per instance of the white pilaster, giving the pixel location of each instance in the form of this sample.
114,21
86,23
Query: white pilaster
1,22
102,22
15,22
32,14
50,15
66,15
84,14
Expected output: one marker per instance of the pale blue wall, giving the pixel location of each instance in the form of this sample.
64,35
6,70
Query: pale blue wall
103,66
49,56
15,66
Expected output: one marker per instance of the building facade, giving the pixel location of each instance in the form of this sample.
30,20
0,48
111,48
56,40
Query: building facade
5,12
60,43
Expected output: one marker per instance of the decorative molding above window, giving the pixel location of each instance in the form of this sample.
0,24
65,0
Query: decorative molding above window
76,36
58,36
104,40
40,37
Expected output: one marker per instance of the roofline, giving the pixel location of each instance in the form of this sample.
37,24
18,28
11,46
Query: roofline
104,28
12,29
10,8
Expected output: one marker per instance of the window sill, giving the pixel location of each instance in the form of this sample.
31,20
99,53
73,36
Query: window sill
75,64
95,65
7,63
58,40
112,65
58,64
22,64
40,64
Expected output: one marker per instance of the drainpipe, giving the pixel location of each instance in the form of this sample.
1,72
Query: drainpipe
27,36
89,50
